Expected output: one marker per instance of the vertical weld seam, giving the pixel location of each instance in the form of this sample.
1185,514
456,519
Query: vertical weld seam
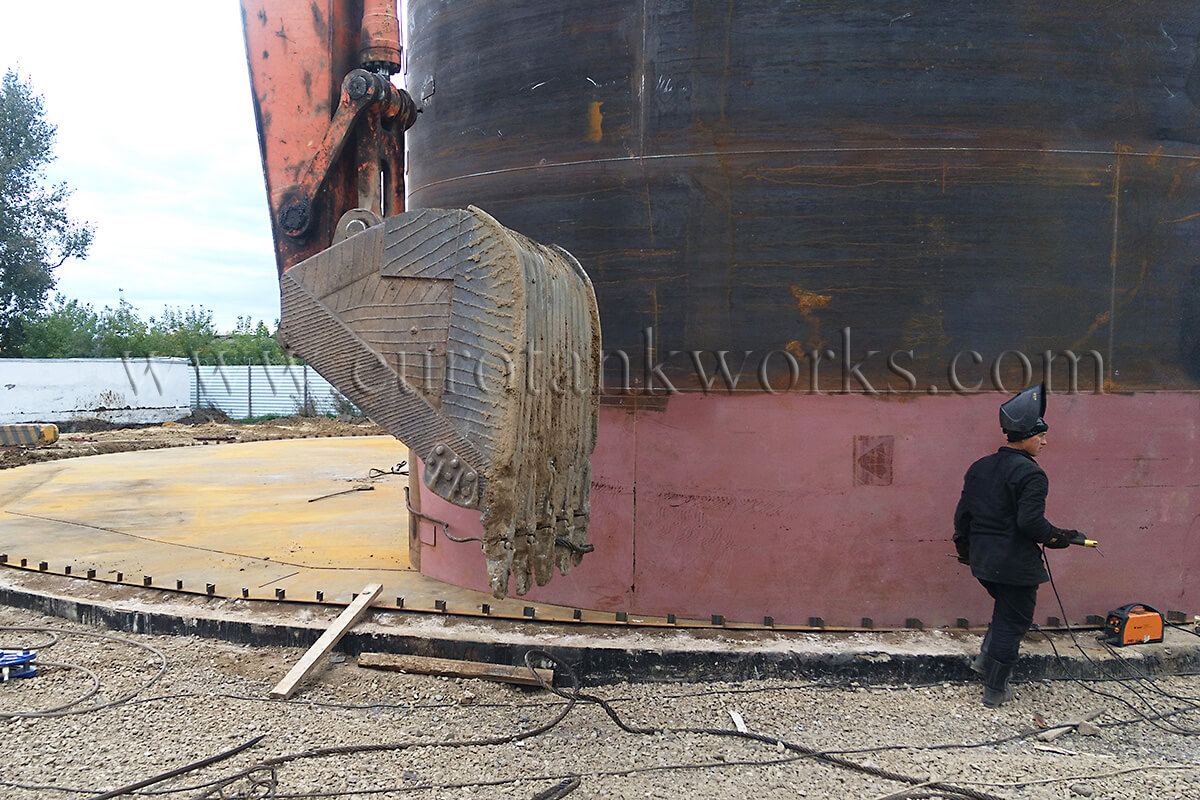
643,103
633,516
1112,291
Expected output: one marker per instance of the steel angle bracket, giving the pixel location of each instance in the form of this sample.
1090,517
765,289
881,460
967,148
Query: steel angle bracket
450,478
476,347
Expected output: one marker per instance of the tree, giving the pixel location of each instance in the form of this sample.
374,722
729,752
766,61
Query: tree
67,329
251,343
71,329
188,334
36,234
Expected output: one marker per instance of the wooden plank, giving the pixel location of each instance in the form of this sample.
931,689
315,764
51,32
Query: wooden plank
1055,731
424,665
345,621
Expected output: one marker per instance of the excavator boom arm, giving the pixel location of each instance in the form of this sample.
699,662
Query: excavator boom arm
475,346
331,124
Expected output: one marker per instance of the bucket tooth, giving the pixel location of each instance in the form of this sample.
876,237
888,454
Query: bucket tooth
476,347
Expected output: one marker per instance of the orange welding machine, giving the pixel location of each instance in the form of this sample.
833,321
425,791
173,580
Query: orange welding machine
1136,623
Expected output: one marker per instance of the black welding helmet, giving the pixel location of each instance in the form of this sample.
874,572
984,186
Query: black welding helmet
1021,416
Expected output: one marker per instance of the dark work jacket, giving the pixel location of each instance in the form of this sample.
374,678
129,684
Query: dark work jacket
1000,519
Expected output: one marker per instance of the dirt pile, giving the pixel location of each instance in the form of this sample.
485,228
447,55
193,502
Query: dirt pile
202,427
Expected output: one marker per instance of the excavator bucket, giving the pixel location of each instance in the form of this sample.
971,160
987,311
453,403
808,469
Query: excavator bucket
477,348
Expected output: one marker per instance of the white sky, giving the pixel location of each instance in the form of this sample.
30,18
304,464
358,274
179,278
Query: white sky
156,137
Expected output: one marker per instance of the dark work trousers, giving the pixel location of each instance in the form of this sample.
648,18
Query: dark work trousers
1012,615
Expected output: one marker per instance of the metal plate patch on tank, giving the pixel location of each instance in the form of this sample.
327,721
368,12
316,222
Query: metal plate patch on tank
873,460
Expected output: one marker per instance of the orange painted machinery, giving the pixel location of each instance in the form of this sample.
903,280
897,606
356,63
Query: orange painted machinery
443,326
1136,623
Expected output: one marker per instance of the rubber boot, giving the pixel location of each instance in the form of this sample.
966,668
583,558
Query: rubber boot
979,664
996,690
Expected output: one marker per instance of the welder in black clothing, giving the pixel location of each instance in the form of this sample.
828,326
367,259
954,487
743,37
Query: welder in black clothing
998,527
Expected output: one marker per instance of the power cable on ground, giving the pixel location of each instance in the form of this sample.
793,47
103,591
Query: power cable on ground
73,707
1150,718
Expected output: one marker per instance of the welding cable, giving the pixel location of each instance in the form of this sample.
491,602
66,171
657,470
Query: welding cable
739,690
1174,728
445,525
374,472
174,773
619,772
411,707
1187,630
917,794
1169,728
564,777
1047,781
1141,677
385,747
55,711
559,790
573,697
344,491
41,787
1142,716
66,710
1137,675
582,549
954,791
1121,723
668,767
53,641
770,740
615,772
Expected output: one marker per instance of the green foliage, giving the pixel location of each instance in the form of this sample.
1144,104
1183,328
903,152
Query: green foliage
36,234
123,332
250,343
70,329
189,333
67,329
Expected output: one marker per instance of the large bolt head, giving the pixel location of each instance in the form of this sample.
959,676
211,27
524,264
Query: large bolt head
295,218
358,86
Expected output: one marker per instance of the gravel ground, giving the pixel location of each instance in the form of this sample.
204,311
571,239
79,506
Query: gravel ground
165,702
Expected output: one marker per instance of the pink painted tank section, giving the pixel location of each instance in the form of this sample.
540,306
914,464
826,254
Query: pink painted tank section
796,506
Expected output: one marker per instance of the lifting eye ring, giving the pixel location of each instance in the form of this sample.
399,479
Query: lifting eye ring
356,220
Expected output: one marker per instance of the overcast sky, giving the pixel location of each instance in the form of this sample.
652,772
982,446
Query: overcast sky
156,137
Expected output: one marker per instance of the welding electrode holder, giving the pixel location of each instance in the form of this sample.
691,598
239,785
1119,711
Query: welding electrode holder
1077,537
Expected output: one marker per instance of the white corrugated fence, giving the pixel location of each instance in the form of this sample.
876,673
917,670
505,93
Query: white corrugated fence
154,390
256,390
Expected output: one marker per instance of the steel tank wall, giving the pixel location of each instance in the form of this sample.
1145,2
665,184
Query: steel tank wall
864,212
835,507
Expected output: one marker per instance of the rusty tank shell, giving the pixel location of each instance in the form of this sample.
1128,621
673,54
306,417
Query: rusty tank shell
827,240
